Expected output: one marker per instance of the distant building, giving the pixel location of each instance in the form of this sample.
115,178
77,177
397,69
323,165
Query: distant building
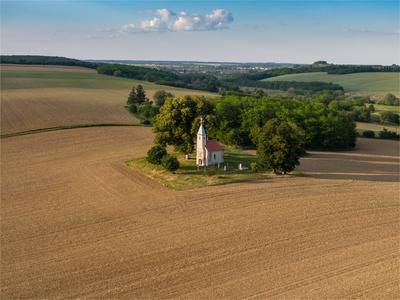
208,152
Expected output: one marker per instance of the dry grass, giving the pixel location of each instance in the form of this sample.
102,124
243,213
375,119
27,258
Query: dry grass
77,223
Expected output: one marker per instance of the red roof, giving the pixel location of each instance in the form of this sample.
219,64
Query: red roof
213,145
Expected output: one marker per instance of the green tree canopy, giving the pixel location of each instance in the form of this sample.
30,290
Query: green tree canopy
179,119
161,96
140,94
279,146
137,95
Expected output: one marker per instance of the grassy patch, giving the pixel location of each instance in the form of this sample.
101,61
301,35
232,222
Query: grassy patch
380,107
65,127
188,176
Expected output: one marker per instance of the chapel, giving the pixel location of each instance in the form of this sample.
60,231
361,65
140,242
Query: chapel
208,152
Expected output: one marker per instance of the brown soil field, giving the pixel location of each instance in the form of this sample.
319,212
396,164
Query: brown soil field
34,97
77,223
27,109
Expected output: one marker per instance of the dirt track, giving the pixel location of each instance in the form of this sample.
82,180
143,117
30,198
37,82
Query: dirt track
77,223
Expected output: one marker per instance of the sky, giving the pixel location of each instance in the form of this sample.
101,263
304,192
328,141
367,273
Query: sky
348,32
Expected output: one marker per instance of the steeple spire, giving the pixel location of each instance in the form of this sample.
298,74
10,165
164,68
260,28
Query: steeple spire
201,130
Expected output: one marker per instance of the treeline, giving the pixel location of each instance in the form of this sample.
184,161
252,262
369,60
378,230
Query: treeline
45,60
238,121
313,86
191,81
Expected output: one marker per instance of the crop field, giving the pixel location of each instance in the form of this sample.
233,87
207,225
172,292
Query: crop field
374,84
35,97
76,222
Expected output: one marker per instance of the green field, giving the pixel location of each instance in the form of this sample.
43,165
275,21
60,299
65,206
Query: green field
380,107
373,84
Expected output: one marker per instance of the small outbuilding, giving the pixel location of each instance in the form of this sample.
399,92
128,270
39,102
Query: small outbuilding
208,152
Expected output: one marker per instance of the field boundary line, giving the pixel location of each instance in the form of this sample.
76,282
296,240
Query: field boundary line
64,127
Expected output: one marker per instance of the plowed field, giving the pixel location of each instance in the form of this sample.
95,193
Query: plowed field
77,223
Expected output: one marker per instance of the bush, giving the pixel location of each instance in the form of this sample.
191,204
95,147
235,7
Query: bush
170,163
156,154
389,117
146,122
386,134
255,167
368,134
148,111
133,108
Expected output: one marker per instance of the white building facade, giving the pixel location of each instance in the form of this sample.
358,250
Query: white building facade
208,152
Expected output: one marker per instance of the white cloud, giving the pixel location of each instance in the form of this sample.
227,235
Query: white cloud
167,20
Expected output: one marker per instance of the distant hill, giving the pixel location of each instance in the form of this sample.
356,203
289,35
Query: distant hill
45,60
370,83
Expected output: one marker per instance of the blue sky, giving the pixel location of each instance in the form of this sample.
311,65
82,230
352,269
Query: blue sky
365,32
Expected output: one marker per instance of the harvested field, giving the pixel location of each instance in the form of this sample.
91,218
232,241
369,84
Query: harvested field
90,227
34,97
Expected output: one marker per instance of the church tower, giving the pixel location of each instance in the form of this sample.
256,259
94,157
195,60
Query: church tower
201,145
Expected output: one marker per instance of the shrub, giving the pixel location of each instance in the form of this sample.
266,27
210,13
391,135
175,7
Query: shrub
133,108
146,122
156,154
255,167
170,163
368,134
389,117
386,134
148,111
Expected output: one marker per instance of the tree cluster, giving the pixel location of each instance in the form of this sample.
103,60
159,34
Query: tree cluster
236,120
158,155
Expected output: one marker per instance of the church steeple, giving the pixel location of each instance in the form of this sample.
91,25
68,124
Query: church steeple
201,130
201,145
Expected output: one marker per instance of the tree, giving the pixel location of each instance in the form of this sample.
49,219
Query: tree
390,99
178,121
156,154
161,96
140,94
279,146
137,95
170,163
132,98
338,131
